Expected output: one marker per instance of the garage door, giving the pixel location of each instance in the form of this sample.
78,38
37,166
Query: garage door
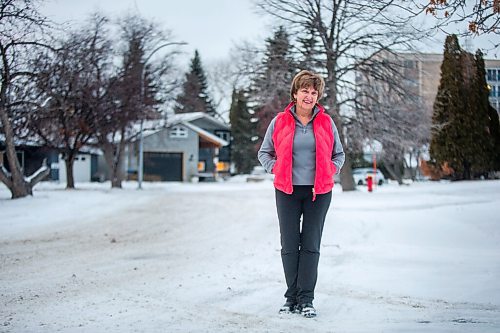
163,166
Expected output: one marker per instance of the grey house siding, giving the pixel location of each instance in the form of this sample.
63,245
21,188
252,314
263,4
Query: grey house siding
160,142
172,158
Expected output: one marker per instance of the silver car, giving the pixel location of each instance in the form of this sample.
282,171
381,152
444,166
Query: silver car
361,174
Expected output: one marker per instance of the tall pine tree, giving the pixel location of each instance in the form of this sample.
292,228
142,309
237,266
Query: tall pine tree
242,131
271,89
194,96
448,105
484,148
494,128
493,122
310,50
460,133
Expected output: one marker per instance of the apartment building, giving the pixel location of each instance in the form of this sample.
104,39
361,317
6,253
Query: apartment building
427,74
493,79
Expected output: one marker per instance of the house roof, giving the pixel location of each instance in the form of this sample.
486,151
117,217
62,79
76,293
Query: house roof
206,135
154,126
86,149
191,116
21,142
185,119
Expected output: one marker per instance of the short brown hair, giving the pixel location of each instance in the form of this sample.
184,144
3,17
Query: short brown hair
306,79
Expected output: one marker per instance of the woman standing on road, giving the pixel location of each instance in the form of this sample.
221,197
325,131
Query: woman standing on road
302,149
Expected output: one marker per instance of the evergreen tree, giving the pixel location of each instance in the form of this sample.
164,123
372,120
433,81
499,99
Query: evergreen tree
448,107
494,129
271,89
484,148
461,136
493,121
194,96
310,51
135,101
242,131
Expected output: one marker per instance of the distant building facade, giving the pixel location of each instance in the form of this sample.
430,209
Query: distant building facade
421,73
493,79
427,75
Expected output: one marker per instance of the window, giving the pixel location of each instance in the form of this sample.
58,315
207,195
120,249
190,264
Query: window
493,91
493,74
409,64
178,132
490,74
222,166
223,135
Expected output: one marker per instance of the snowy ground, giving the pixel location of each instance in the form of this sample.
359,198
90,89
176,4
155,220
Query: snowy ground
205,258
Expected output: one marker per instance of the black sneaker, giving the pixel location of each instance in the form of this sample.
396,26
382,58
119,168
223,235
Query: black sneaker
307,310
288,307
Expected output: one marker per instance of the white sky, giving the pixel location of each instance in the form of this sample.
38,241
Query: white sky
212,26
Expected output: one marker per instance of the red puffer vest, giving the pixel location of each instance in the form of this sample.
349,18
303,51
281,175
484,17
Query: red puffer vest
284,130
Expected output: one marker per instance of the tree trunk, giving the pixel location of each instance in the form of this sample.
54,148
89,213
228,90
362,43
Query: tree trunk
17,185
394,168
114,159
467,174
70,180
346,178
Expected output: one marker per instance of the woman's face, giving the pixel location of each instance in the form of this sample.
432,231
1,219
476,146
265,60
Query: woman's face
306,98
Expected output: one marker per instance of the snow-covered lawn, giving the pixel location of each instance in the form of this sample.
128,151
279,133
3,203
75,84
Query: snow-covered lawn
205,258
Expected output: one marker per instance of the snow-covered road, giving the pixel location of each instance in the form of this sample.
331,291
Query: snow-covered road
205,258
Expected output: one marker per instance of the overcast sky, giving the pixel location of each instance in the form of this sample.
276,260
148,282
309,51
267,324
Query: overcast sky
211,26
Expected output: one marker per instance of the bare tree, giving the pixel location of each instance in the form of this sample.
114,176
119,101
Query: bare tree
270,90
400,123
234,73
392,111
220,84
351,34
74,84
481,16
141,88
22,28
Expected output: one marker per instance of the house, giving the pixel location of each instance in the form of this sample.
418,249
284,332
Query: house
193,146
32,154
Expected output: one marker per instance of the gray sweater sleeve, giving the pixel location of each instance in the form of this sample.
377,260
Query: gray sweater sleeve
266,154
338,155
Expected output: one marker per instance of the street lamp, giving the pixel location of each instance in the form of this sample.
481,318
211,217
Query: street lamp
140,173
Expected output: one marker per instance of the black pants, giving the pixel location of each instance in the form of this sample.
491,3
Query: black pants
300,246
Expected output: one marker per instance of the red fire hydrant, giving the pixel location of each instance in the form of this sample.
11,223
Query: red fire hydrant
369,183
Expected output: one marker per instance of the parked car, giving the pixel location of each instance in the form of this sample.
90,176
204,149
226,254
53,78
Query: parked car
361,174
259,174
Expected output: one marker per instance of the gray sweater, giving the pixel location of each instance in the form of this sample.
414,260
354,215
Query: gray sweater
304,151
